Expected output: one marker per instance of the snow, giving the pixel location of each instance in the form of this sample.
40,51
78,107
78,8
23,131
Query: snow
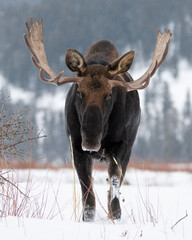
17,94
155,205
54,102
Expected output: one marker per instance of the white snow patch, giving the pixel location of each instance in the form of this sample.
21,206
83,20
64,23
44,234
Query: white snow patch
17,94
53,102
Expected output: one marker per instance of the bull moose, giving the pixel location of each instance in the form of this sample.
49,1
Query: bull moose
102,108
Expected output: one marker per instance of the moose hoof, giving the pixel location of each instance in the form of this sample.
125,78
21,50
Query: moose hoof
114,209
88,214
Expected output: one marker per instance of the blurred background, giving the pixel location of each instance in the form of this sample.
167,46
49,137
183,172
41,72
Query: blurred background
165,133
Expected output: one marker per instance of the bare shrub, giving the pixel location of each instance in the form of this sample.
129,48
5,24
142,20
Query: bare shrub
15,131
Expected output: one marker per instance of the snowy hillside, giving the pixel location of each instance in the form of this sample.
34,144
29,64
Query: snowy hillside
56,101
178,85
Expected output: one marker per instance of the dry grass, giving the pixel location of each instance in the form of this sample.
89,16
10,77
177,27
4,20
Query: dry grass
19,199
136,163
31,164
160,166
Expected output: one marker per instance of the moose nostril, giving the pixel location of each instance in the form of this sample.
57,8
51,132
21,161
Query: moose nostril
91,144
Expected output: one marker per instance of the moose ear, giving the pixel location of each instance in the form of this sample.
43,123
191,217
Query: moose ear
75,61
122,64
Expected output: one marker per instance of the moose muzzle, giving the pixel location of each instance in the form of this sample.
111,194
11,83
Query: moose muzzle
91,129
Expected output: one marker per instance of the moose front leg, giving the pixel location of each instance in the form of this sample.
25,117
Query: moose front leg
115,175
83,165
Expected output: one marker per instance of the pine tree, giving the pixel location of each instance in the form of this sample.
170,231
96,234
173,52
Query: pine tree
171,144
187,129
156,139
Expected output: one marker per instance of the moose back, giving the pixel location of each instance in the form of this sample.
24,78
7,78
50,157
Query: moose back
102,108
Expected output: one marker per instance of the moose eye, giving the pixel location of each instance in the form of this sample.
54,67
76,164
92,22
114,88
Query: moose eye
108,97
80,94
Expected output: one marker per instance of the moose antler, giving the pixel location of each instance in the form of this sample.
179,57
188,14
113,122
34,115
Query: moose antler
160,53
35,45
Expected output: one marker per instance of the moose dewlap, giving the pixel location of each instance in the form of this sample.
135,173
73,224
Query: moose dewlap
102,108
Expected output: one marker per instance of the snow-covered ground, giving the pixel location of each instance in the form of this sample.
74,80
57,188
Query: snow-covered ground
155,205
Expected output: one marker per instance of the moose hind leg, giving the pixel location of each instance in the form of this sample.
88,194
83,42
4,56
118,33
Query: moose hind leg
114,194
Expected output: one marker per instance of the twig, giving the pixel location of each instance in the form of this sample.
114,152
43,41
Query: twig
23,140
120,169
74,188
186,215
5,172
146,205
13,185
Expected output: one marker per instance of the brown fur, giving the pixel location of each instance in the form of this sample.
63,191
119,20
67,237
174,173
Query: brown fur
104,50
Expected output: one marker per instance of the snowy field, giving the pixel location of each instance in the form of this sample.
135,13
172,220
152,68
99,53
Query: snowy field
46,205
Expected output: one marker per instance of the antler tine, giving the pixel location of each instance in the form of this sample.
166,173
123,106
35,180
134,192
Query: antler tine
27,43
160,53
35,62
58,80
35,44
